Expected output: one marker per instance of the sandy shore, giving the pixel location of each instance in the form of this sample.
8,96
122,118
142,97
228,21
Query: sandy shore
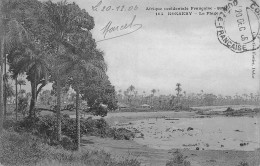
158,157
154,157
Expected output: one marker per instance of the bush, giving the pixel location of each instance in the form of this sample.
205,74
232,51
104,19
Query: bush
44,127
99,110
178,160
9,124
122,134
101,128
68,144
69,128
229,109
97,127
22,105
26,125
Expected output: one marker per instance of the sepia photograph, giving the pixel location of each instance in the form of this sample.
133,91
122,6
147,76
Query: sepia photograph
129,83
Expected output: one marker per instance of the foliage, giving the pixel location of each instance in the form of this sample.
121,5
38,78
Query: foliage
122,134
9,91
229,109
100,127
185,99
98,109
22,104
44,127
27,55
209,99
98,91
178,89
21,82
68,128
178,160
46,98
26,149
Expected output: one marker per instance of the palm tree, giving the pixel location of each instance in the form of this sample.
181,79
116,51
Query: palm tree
31,59
178,89
153,92
1,67
143,97
64,22
15,33
12,33
130,93
83,67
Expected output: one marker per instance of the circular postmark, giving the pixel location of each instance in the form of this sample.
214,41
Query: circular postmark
238,26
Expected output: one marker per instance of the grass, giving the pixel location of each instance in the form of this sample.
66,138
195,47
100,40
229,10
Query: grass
26,150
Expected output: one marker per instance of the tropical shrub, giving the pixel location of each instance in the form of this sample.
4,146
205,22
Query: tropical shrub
44,127
100,127
22,105
122,134
178,160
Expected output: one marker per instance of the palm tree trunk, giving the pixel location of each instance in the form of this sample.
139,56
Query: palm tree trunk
34,97
1,74
77,119
32,103
58,109
5,92
35,94
16,100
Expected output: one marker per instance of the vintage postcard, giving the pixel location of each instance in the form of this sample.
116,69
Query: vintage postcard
142,82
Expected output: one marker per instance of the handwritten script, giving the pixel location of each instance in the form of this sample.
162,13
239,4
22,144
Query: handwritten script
110,30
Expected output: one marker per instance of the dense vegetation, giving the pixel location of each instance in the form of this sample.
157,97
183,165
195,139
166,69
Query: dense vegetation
182,99
47,42
24,149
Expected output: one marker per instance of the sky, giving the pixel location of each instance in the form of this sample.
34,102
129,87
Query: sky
170,49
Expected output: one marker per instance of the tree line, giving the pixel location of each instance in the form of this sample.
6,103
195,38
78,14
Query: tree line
181,98
52,42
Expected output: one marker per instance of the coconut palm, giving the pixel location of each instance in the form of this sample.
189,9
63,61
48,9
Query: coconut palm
130,93
19,18
11,33
84,67
153,92
30,58
131,88
178,89
64,21
1,72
